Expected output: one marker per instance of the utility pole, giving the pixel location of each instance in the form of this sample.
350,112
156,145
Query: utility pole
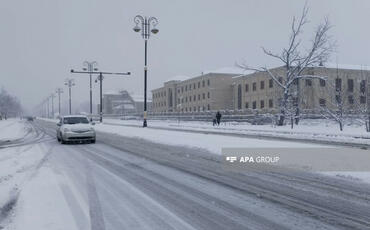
100,79
52,105
70,83
90,67
59,91
47,101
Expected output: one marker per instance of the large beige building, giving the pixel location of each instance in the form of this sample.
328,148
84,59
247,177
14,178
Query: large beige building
209,91
257,91
348,85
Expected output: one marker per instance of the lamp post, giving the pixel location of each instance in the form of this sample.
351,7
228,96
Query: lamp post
52,105
69,83
59,91
146,30
90,67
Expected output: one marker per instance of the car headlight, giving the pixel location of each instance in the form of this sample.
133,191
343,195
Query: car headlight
92,129
66,129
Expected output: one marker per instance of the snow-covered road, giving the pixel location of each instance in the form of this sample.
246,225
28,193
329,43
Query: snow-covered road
131,183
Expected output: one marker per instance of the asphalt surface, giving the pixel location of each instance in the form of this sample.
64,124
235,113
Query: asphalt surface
130,183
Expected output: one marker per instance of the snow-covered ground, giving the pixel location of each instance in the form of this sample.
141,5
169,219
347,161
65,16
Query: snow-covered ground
318,129
12,129
315,129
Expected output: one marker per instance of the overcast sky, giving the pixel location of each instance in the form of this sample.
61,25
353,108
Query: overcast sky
41,40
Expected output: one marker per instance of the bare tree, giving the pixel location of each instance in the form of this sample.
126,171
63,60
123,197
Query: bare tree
296,59
9,105
334,108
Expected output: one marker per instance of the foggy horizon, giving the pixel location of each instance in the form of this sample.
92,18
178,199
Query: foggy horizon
43,40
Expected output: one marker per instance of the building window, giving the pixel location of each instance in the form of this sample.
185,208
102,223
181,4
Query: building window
198,97
271,103
195,109
178,91
208,95
190,98
182,89
350,85
254,105
338,84
203,83
204,96
363,86
280,79
194,86
239,96
322,102
262,85
190,87
178,101
262,104
195,97
254,86
246,87
271,83
186,99
322,83
186,88
350,100
208,82
362,99
208,107
198,85
189,109
308,82
246,105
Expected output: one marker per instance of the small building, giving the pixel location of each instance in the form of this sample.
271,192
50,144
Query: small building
122,103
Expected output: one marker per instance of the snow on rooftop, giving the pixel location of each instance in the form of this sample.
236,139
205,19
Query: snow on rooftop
230,70
112,92
178,78
346,66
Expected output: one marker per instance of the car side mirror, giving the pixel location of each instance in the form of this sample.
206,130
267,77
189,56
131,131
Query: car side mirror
58,124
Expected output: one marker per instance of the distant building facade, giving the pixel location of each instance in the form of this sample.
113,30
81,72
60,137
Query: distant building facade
207,92
348,85
258,92
121,102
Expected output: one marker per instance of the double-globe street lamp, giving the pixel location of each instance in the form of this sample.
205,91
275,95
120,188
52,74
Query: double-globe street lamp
144,24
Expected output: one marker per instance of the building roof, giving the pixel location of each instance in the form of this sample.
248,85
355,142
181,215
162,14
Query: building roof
140,98
229,70
345,66
178,78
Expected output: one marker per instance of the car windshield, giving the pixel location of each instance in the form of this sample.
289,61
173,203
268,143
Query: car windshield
75,120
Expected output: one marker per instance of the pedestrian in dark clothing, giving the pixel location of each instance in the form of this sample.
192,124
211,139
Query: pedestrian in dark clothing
218,117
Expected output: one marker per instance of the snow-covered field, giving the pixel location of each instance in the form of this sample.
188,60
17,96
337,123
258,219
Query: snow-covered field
12,129
318,129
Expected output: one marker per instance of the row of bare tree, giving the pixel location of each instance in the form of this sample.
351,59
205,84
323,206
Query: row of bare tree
9,105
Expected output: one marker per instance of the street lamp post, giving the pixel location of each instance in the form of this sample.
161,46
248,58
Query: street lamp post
90,67
146,30
52,105
70,83
59,91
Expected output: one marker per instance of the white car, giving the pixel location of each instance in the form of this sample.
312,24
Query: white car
75,128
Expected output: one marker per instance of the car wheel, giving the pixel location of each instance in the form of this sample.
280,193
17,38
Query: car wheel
93,141
62,141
